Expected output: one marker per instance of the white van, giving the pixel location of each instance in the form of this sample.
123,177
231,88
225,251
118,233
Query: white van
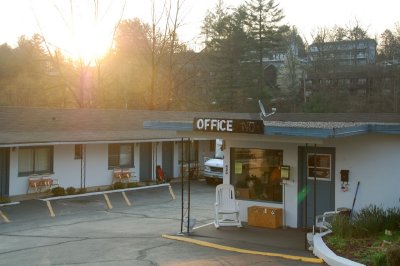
213,170
213,167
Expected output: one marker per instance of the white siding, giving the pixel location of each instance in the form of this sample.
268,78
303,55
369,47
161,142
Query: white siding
374,160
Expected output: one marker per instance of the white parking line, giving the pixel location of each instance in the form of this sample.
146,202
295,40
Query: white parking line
200,226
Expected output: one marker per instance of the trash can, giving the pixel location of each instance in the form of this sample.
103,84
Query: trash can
344,211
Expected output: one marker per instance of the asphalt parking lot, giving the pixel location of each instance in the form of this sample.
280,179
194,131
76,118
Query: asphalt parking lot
85,232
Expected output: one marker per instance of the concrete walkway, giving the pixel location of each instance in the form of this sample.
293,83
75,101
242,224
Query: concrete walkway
284,243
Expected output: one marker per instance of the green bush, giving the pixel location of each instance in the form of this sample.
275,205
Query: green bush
393,256
369,221
379,259
392,221
58,191
82,191
5,200
342,226
148,182
71,190
132,184
119,185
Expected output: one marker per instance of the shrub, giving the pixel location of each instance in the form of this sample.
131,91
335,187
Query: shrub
392,221
341,226
81,190
118,185
58,191
132,184
71,190
148,182
369,221
393,256
379,259
5,200
339,244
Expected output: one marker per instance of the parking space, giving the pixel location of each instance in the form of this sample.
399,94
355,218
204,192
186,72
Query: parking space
85,232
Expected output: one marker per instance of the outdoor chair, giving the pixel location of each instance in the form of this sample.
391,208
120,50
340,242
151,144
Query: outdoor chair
226,207
323,221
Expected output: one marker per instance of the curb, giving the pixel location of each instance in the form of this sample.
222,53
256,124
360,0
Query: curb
244,251
322,251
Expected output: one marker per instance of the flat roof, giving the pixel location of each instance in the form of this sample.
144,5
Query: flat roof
35,126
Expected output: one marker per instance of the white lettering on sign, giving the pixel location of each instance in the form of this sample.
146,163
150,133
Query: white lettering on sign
209,124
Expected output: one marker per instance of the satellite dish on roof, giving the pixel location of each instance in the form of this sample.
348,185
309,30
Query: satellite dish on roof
263,113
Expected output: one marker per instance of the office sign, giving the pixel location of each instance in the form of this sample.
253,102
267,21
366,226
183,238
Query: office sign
228,125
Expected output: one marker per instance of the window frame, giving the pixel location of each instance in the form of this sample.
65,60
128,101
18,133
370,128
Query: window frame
117,146
271,159
321,168
50,170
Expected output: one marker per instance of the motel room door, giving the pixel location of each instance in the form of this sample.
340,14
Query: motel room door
318,162
4,172
168,158
145,161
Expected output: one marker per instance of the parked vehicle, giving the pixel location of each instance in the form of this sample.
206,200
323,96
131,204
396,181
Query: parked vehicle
213,170
213,167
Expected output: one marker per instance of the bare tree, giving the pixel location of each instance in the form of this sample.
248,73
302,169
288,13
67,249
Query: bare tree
164,44
82,79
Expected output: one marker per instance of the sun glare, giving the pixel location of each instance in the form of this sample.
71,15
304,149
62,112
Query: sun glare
83,30
88,45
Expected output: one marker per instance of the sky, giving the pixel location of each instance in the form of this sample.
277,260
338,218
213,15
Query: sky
72,30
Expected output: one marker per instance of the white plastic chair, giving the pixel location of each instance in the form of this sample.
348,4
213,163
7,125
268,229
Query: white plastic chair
323,221
226,206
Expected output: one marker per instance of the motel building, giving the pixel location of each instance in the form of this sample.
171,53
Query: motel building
298,164
302,165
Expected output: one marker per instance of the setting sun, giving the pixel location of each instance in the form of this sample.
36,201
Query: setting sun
86,29
88,44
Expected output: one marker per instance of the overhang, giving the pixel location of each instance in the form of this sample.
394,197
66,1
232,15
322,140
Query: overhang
319,130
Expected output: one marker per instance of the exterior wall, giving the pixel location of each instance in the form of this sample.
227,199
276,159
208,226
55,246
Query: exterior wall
373,160
68,170
18,185
136,161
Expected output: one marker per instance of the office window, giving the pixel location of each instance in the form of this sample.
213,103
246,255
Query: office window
120,155
255,173
35,160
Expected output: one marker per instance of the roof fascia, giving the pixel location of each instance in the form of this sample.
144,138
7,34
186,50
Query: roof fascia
322,133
